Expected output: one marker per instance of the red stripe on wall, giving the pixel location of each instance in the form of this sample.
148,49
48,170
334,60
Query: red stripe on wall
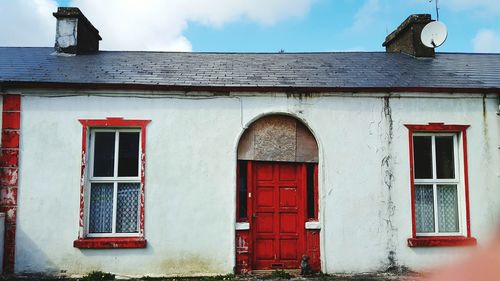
9,174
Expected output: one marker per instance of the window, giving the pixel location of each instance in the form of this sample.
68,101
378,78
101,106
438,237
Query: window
439,185
112,185
436,182
242,191
311,191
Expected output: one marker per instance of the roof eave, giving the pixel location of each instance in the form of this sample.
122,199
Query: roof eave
6,85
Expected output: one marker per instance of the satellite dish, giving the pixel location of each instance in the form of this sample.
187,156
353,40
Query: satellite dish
434,34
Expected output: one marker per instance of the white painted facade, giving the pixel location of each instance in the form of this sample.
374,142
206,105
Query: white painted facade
190,186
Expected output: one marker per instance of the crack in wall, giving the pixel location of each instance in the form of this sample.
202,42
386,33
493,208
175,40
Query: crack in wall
386,127
486,159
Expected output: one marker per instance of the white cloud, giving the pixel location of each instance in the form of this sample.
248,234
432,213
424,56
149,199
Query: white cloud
484,6
486,41
139,24
27,22
366,16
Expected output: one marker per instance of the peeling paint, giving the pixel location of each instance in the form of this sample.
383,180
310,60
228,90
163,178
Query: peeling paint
241,245
350,242
82,183
8,196
9,175
143,191
242,252
111,122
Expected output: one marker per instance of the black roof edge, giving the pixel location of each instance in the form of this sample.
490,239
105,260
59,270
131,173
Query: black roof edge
227,89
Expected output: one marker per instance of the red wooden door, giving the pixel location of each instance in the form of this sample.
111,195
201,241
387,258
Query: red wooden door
278,215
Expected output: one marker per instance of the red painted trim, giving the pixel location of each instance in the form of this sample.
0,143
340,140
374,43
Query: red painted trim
238,218
10,138
9,175
227,89
111,122
242,251
412,186
446,241
313,249
466,182
440,240
437,127
110,243
9,157
316,193
12,103
11,120
250,190
143,178
8,196
83,169
114,122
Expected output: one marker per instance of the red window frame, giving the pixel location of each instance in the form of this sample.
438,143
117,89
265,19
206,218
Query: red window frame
84,242
431,241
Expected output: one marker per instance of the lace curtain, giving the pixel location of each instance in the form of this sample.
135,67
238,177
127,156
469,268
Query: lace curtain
101,208
447,208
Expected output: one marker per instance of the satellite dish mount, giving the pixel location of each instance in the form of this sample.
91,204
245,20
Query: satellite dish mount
437,9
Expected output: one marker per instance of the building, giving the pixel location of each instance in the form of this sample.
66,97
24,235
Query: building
157,163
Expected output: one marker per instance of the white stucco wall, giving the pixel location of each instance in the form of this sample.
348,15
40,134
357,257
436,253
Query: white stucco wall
190,179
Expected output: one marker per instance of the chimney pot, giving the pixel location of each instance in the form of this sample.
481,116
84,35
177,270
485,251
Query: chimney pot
406,38
74,32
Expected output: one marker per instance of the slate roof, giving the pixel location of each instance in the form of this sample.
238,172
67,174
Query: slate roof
266,70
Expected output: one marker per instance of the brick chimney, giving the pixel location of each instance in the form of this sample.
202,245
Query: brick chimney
406,38
74,33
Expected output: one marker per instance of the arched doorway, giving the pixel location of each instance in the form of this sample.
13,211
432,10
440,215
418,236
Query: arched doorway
277,196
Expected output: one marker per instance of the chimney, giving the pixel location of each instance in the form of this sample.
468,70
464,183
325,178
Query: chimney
74,33
406,38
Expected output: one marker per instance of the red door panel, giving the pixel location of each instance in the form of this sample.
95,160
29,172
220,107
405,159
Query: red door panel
288,248
264,248
278,215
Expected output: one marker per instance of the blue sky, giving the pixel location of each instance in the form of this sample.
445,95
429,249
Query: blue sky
272,25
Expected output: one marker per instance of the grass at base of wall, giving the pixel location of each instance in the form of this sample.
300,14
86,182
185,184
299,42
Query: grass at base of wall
98,276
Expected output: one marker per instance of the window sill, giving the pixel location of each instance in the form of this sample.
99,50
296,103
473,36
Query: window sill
110,243
444,241
242,226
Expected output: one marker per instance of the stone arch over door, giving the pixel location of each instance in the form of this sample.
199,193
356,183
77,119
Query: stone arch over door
278,138
277,195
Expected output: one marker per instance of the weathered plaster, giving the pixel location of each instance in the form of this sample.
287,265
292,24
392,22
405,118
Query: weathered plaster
191,179
66,32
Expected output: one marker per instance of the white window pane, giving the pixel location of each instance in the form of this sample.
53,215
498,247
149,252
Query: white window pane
447,201
127,208
424,208
101,208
